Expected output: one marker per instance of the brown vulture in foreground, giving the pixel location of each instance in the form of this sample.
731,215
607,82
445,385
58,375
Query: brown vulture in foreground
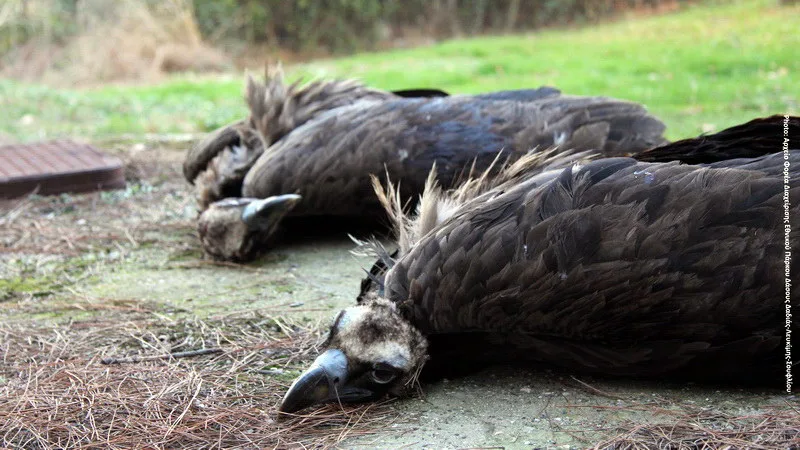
668,264
311,151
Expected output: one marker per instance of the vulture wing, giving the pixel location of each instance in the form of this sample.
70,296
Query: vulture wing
756,138
420,93
323,97
620,267
329,161
232,151
275,110
520,95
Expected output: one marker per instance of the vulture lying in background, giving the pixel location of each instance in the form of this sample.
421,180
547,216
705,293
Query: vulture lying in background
642,267
217,165
320,163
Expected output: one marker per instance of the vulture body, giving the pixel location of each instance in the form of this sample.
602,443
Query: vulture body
217,165
643,267
328,160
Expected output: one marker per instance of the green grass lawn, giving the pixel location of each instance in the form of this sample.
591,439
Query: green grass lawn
702,68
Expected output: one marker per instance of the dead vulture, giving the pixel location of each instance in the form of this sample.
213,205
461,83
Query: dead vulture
328,161
618,266
217,165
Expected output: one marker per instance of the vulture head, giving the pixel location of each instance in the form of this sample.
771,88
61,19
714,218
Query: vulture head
234,228
371,351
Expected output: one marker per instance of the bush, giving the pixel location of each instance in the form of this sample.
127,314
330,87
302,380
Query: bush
338,26
104,40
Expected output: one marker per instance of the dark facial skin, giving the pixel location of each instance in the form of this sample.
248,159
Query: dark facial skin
333,378
371,351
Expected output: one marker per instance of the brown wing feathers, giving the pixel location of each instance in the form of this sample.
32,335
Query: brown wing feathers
330,159
407,137
758,137
275,110
623,266
199,155
613,127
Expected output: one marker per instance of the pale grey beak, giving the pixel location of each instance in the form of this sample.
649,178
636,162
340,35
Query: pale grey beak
319,383
266,213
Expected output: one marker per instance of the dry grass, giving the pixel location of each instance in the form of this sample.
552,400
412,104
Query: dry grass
71,225
57,393
773,428
127,374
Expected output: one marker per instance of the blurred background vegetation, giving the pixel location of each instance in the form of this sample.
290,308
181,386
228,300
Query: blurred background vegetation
338,26
97,69
136,38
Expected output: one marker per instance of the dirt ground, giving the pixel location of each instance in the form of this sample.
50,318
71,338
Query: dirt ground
90,280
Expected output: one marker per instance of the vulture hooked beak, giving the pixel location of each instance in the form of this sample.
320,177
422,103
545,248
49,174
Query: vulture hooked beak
325,381
266,213
372,351
236,228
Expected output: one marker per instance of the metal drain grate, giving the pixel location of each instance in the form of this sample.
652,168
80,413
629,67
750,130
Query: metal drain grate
55,167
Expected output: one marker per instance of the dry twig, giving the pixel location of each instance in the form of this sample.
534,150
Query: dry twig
176,355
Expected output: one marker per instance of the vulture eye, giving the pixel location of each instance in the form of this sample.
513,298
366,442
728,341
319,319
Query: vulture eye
215,230
383,373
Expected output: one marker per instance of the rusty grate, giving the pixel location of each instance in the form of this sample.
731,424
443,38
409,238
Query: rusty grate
55,167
